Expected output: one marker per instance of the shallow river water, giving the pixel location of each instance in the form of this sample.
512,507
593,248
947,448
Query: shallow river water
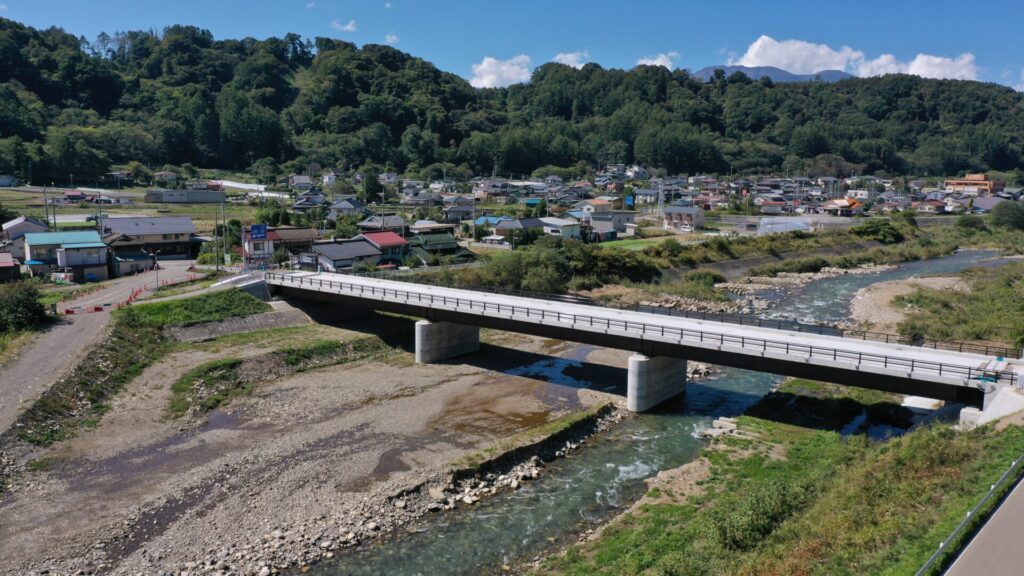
606,476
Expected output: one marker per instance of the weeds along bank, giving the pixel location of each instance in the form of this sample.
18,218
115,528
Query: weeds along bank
794,494
993,310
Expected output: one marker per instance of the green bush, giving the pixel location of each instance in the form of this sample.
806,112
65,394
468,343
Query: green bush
20,308
210,307
1008,215
704,276
881,230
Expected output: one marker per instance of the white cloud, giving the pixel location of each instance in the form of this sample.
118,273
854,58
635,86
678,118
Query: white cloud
664,59
796,56
1019,87
800,57
391,39
574,59
962,67
349,27
3,7
311,4
493,73
387,4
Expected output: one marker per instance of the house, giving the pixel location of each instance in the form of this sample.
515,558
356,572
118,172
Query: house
599,231
340,255
459,212
595,205
430,227
82,254
930,207
862,195
12,238
645,196
507,227
166,177
392,247
773,207
349,206
680,216
165,196
174,237
619,219
261,250
391,222
427,248
308,200
561,227
389,178
10,270
328,179
300,182
841,207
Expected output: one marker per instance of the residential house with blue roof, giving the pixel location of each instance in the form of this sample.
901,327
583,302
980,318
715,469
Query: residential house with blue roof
82,254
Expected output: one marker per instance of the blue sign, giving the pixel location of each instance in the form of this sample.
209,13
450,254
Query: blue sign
258,232
629,200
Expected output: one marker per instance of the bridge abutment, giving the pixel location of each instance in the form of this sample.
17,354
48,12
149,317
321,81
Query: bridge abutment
436,341
653,380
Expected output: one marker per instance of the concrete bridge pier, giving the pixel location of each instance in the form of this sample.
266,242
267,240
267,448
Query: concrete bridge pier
653,380
436,341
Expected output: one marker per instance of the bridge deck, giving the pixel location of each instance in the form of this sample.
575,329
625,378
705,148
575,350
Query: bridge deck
831,352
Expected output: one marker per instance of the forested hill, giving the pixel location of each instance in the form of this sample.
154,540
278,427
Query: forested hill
68,105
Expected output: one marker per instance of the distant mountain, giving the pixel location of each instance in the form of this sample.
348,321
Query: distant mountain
776,74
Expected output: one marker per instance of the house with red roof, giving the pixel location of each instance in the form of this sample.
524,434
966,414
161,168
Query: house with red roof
393,247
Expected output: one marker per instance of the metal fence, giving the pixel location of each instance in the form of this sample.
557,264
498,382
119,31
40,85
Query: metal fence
1012,473
751,344
999,350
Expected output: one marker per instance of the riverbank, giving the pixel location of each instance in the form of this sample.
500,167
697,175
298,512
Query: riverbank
874,308
799,489
294,469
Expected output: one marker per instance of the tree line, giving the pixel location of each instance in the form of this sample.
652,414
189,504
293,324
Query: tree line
180,96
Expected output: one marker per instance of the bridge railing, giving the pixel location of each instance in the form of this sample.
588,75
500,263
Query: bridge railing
1005,351
646,329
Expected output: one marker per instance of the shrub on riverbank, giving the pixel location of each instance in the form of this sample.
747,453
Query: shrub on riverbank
20,308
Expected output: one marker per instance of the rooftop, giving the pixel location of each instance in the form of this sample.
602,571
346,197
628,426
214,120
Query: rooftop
150,225
384,238
61,238
346,249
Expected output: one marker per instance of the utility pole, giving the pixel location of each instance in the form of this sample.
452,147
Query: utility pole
72,180
46,207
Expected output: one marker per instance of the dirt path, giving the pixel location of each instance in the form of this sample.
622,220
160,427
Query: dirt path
872,307
314,455
41,362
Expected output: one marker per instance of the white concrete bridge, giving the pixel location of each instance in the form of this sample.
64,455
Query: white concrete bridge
663,344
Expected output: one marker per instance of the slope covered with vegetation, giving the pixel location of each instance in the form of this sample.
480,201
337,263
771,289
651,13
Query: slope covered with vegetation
182,97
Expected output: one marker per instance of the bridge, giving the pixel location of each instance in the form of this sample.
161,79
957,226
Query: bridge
662,344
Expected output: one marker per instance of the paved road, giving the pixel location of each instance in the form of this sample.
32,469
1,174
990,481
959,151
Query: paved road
41,362
996,549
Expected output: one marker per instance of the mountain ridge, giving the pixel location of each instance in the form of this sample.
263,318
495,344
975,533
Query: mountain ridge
772,72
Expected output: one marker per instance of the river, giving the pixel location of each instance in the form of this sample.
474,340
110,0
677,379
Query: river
606,476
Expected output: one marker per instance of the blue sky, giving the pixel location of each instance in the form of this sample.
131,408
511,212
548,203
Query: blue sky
497,43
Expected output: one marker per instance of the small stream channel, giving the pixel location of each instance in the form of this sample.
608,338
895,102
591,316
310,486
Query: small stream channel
596,482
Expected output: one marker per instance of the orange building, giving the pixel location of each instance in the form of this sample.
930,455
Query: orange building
976,183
